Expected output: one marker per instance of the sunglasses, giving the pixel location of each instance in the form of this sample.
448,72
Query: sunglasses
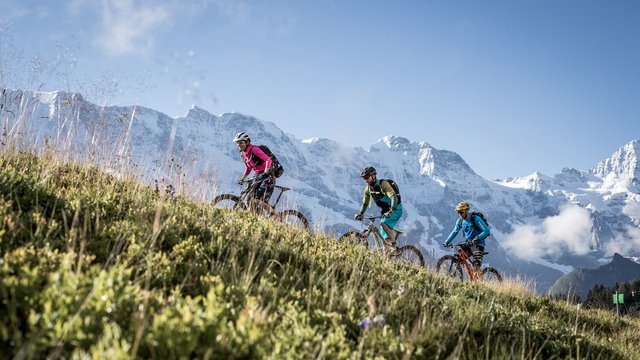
461,212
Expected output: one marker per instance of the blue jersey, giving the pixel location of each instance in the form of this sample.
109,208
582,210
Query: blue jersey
469,231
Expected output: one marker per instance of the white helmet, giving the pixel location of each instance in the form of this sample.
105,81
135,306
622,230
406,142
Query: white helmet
241,136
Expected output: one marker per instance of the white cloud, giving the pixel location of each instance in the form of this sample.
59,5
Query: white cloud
568,231
127,26
624,244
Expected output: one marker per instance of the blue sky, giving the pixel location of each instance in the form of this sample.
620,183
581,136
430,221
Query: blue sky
512,86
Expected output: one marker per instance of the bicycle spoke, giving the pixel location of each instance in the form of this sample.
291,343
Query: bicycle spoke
294,218
408,255
448,265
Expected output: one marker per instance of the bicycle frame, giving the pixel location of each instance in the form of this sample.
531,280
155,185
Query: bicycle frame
465,260
407,254
252,183
377,235
246,201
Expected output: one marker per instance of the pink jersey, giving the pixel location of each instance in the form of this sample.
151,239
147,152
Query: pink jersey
257,154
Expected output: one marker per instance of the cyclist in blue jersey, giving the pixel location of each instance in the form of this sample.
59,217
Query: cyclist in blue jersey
386,195
474,229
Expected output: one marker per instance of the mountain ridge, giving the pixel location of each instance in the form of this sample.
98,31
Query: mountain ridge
323,175
580,281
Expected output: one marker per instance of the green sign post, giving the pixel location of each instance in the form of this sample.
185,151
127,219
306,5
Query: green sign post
618,299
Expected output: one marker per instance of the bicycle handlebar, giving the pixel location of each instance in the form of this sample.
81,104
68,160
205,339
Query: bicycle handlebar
255,178
370,218
464,243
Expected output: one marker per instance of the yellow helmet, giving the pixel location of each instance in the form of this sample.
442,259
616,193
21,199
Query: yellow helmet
463,206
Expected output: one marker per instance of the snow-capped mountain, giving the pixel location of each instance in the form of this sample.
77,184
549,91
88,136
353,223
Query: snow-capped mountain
542,225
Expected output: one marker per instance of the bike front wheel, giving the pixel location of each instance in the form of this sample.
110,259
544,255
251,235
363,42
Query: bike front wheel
491,274
354,237
450,266
409,255
228,201
294,218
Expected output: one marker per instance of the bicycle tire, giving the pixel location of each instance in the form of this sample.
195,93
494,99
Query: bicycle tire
228,201
494,277
354,237
409,254
296,218
450,266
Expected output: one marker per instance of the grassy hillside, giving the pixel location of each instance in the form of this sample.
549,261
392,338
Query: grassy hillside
93,266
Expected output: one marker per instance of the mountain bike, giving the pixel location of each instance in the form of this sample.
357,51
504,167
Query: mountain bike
246,201
453,265
371,237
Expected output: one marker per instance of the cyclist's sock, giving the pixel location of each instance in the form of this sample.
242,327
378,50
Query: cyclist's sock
477,265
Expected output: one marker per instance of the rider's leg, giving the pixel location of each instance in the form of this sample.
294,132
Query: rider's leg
387,233
269,184
265,189
387,225
478,254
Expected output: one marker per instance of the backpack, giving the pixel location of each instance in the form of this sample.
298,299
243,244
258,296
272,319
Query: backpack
481,215
376,193
276,167
394,186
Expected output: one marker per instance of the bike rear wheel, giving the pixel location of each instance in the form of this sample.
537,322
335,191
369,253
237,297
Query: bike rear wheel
228,201
449,265
491,274
294,218
354,237
409,255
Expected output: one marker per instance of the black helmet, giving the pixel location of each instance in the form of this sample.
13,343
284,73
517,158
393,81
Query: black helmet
368,171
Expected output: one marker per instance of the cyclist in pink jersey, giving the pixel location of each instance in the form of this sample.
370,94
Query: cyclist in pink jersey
255,159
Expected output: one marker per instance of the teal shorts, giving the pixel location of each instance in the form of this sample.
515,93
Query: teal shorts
391,221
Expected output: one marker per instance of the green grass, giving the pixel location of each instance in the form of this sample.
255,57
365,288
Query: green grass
98,267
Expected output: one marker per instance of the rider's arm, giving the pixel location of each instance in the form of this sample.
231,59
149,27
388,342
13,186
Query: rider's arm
365,200
387,189
264,157
245,160
454,233
483,226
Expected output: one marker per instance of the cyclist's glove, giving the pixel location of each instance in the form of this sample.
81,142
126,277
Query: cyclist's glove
358,217
474,241
240,182
387,214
